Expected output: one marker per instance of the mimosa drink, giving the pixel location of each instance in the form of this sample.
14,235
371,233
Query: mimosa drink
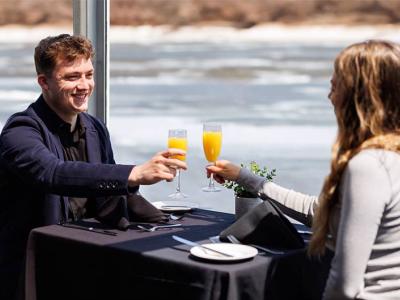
212,142
178,143
177,138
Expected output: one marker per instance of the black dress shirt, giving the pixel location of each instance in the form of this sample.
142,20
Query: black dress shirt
74,149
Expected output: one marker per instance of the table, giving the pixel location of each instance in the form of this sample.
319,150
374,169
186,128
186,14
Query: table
65,263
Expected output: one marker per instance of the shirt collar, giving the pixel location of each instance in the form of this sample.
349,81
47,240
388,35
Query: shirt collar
52,120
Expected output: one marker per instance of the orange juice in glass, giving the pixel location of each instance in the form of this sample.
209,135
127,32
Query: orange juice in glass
178,143
177,138
212,143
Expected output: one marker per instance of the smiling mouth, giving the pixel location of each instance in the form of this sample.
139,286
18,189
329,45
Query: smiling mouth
79,97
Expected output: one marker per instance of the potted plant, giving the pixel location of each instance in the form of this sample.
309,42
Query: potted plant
244,199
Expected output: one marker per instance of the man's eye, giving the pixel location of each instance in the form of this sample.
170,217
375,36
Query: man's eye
89,76
72,78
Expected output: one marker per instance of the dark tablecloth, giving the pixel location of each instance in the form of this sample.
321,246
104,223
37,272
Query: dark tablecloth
65,263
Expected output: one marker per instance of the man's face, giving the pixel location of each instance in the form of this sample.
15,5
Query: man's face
69,87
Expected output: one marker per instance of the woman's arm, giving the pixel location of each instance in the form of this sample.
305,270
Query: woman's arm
296,205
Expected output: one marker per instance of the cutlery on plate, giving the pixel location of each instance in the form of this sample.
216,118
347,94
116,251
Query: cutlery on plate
154,228
214,239
91,229
234,240
176,207
175,217
306,232
193,244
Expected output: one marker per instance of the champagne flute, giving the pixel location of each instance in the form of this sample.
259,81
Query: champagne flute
212,142
177,138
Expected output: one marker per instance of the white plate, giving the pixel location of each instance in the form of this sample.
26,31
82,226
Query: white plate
239,252
175,205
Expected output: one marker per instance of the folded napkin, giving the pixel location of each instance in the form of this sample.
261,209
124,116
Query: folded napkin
119,211
267,226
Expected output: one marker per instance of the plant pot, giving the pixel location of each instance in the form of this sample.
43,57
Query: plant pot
244,204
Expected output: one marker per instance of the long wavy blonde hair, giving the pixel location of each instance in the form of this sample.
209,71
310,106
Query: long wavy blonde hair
367,86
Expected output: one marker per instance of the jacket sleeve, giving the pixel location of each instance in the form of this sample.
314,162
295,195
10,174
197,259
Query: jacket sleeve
105,141
25,154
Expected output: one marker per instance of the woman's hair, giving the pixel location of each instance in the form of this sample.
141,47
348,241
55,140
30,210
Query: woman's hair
61,47
367,90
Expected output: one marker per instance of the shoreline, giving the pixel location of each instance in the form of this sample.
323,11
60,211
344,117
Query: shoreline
269,32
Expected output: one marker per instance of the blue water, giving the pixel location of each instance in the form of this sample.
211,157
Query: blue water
271,100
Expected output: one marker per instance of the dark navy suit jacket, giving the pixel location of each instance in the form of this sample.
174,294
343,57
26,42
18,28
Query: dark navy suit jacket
35,181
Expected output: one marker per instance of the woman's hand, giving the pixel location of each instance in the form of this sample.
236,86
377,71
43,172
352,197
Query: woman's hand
223,170
160,167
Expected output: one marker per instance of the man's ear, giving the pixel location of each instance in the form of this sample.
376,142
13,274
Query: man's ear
42,81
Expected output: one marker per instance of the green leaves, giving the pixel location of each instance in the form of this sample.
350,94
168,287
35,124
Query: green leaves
254,168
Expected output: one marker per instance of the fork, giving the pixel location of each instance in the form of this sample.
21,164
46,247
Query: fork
154,228
234,240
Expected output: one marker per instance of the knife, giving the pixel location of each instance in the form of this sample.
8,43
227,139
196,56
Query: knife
181,206
91,229
193,244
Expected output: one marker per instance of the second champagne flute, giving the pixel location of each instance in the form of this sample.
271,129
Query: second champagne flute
212,142
177,138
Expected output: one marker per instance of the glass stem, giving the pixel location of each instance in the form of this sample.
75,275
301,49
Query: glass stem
178,187
211,183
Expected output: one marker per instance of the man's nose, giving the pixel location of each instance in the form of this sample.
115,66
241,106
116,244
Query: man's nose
84,83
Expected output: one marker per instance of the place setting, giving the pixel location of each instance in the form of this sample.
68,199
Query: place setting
263,230
218,252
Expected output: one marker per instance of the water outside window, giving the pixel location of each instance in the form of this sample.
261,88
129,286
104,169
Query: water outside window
269,95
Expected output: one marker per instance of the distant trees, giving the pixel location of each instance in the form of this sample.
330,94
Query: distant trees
238,13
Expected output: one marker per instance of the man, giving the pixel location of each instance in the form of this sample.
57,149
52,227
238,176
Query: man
56,161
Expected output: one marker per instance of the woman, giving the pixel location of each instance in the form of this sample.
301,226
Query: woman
358,211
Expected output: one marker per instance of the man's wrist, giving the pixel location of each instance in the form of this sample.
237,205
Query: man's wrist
134,180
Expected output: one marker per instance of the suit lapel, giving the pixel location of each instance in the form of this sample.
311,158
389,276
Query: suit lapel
92,141
58,146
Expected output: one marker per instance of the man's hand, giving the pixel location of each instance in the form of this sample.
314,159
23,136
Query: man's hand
160,167
223,170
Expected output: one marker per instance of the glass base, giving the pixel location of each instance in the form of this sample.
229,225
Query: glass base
178,195
211,189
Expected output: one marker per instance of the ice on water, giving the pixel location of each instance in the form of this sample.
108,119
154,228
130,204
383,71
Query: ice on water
270,95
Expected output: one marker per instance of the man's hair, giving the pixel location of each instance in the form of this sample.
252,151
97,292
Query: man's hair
61,47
